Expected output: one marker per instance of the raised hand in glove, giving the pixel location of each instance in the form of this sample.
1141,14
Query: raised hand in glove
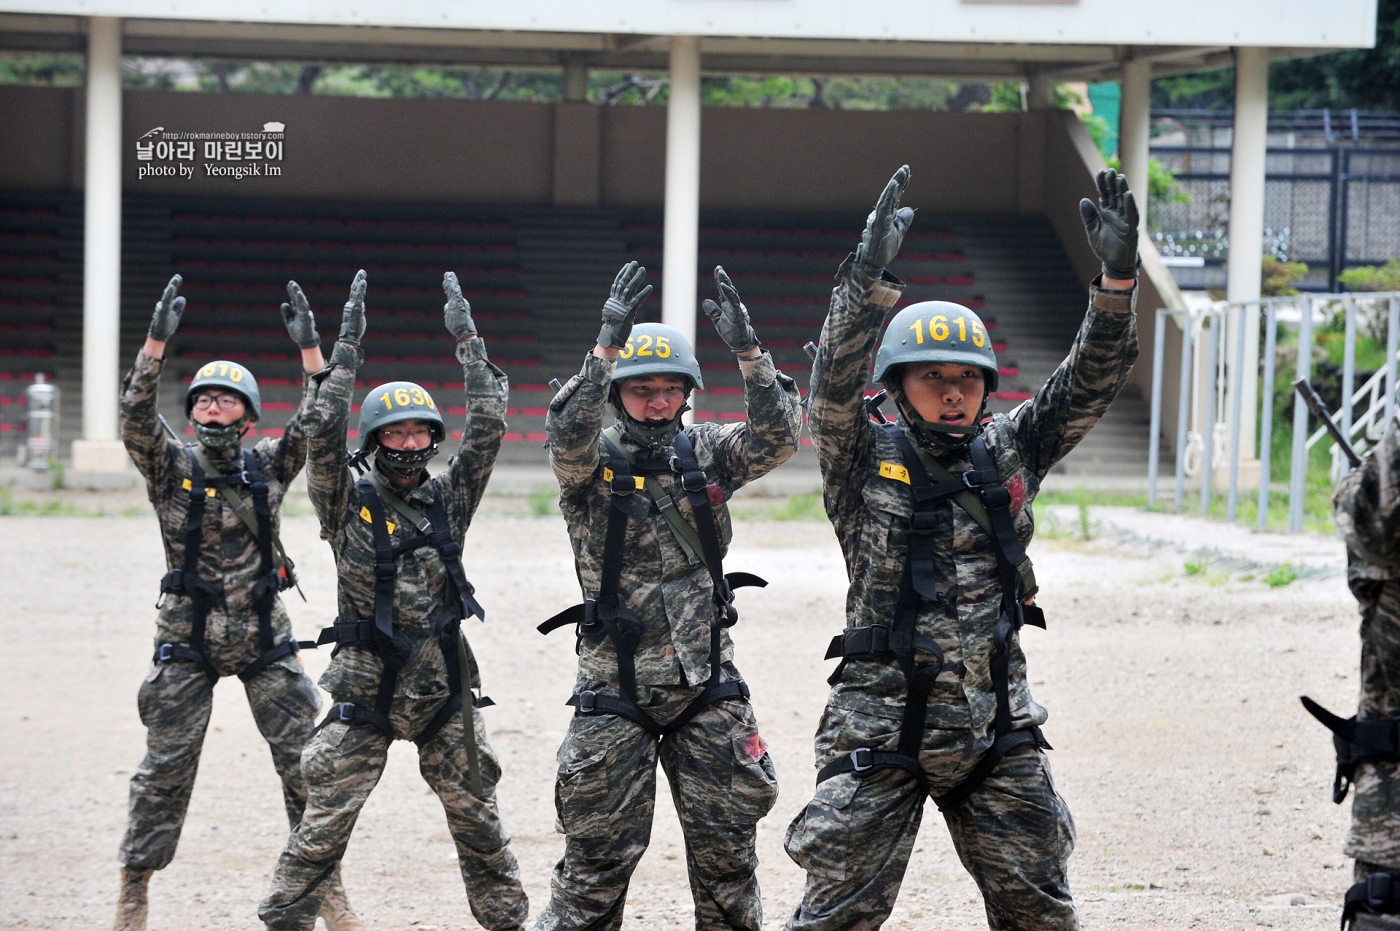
166,320
457,313
352,324
301,325
730,316
620,311
886,225
1112,226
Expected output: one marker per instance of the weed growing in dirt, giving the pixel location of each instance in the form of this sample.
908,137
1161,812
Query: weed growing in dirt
1196,565
7,501
799,507
544,501
1280,576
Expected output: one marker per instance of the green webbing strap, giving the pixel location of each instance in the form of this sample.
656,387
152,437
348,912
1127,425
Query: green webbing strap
415,518
685,534
244,510
973,506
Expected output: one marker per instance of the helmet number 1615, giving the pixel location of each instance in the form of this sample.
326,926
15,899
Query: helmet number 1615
938,330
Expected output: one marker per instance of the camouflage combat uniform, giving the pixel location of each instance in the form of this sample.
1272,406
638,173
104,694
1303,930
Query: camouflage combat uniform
721,777
1367,511
176,697
343,763
1014,834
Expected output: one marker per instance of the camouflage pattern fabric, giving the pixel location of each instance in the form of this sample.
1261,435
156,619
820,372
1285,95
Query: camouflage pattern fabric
175,698
721,776
1014,838
1367,511
722,782
342,763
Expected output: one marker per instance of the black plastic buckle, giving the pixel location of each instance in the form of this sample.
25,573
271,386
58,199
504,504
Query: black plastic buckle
1379,889
385,570
995,497
743,690
694,481
862,760
922,522
345,712
166,653
173,583
450,549
587,702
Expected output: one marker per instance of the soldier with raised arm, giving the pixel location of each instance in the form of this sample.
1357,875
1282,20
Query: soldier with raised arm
1366,507
933,514
645,503
219,508
402,669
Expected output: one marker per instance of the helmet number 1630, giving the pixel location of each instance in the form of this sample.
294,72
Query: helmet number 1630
938,330
405,397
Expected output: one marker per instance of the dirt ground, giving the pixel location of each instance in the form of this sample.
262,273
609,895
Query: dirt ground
1199,786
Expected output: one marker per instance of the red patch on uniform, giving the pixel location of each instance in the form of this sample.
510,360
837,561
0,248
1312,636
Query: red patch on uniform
755,747
716,495
1017,488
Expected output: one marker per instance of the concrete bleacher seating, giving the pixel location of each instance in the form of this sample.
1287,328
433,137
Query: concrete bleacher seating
535,278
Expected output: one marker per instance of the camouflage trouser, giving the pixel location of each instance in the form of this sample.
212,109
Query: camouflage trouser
342,764
1375,808
722,782
174,702
1014,834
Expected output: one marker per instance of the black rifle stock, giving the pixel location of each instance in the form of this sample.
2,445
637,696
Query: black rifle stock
1314,403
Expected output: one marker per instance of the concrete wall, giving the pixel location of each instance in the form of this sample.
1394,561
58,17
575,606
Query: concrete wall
568,154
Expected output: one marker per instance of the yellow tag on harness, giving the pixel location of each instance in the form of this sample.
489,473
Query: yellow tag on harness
365,516
895,471
189,486
608,477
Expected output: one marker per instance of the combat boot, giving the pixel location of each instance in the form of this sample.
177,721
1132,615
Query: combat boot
335,908
131,903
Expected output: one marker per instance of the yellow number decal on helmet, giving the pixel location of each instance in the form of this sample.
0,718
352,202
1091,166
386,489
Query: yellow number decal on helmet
418,397
644,346
235,373
938,327
401,397
918,327
627,350
663,347
207,371
979,338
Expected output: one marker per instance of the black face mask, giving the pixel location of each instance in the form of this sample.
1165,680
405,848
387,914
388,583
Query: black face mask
220,436
404,463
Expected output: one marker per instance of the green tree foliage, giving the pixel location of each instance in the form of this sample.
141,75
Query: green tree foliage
1371,278
1278,277
1368,79
42,69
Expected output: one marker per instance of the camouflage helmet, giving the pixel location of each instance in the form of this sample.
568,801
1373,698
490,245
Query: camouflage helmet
232,376
657,349
396,402
936,331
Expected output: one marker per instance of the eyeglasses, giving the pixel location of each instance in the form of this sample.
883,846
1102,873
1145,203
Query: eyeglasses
399,434
226,402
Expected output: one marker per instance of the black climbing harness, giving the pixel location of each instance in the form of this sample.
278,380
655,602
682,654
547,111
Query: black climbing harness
982,494
392,646
606,615
1377,894
1376,740
275,576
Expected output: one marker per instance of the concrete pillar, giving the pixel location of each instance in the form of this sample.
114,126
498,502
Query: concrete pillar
99,450
575,80
1040,92
1247,219
681,247
1135,129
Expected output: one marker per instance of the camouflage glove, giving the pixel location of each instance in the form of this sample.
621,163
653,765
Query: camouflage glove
457,313
352,325
166,320
1112,226
620,311
886,225
301,325
730,316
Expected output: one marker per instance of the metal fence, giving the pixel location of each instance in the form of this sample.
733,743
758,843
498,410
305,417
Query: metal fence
1332,208
1212,379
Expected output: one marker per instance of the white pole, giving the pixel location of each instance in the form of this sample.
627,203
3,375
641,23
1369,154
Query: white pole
1247,157
102,249
1135,129
681,246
